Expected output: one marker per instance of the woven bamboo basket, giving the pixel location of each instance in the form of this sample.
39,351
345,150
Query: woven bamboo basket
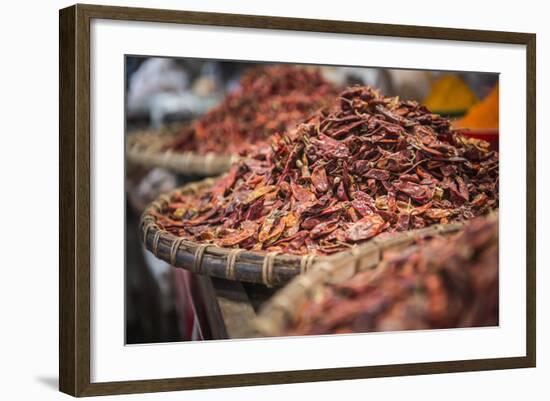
149,148
271,269
276,316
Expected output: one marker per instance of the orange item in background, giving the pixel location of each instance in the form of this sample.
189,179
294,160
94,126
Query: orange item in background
483,115
450,94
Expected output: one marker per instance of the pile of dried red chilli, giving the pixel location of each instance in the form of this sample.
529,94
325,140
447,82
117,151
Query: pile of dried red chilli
270,99
368,165
443,282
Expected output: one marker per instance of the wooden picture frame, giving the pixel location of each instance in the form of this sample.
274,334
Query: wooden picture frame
74,203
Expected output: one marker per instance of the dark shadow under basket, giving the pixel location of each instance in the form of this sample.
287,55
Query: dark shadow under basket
150,148
275,316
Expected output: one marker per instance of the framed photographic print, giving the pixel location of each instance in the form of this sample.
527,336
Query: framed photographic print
297,200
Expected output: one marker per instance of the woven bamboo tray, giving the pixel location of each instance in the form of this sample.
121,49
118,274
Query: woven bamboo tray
149,148
278,313
271,269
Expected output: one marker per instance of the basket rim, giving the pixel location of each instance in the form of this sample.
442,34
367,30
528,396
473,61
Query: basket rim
273,315
140,151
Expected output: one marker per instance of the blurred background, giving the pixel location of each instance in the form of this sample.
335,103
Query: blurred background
160,90
161,302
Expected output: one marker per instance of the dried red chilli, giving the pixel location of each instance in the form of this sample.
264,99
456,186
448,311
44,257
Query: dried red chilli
331,182
441,282
270,99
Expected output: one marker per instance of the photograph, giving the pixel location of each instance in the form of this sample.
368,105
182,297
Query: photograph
286,199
